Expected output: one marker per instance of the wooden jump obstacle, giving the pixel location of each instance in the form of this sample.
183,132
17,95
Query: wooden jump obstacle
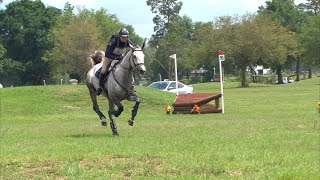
184,103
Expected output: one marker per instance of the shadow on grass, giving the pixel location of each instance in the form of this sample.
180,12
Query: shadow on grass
88,135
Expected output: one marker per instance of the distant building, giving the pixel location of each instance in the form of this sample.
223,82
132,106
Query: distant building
259,70
198,73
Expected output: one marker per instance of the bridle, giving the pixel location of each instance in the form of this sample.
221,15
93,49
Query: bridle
132,61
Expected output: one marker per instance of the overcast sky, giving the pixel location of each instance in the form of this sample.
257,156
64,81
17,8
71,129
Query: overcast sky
138,14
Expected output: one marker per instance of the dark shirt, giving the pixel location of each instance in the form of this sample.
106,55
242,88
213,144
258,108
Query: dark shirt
115,42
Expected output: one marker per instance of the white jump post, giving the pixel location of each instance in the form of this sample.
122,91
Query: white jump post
221,58
174,56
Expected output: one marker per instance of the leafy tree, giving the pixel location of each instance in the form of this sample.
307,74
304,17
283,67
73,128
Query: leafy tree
9,69
310,33
166,11
208,39
289,15
58,69
75,41
109,25
24,27
310,40
254,38
176,41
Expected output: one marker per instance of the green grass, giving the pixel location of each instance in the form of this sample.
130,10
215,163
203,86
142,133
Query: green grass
267,132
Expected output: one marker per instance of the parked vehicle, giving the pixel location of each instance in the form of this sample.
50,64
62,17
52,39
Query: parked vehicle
170,86
286,80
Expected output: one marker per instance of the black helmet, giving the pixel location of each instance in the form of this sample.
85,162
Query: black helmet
123,32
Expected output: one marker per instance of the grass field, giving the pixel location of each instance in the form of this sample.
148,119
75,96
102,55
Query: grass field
267,132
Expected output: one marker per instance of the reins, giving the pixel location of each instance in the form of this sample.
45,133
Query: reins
129,91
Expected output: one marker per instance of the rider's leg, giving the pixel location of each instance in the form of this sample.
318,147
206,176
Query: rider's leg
105,67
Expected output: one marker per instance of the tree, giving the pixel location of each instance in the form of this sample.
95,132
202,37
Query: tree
176,41
166,11
24,27
289,15
109,25
310,40
309,36
73,43
256,38
210,37
9,69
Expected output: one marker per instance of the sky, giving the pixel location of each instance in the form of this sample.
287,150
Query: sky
139,15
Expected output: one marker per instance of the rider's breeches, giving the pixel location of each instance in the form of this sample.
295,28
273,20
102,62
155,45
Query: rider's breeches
105,64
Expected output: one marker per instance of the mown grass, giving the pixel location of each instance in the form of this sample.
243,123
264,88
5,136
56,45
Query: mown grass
267,132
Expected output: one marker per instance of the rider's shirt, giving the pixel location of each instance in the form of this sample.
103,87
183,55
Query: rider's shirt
116,47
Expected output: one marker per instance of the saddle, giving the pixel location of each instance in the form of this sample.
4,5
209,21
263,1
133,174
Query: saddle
113,66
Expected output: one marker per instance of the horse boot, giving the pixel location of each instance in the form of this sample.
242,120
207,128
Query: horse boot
101,83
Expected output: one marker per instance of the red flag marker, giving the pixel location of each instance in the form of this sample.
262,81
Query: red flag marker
221,52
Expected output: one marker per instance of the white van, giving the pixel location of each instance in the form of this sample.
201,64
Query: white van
286,80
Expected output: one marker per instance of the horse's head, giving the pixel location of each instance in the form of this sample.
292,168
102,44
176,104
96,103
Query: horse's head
137,61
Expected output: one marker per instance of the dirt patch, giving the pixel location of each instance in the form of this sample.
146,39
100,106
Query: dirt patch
71,107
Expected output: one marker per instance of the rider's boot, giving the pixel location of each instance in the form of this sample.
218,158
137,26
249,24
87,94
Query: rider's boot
101,83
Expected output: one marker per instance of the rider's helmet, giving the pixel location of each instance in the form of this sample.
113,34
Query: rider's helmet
123,32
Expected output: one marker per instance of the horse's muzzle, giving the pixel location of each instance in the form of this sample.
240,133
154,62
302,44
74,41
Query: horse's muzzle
142,69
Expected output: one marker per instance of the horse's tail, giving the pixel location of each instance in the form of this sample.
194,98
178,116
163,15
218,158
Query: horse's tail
97,57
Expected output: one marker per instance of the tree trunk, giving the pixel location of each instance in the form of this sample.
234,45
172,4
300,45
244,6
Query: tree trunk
253,75
170,70
297,69
243,77
279,73
310,73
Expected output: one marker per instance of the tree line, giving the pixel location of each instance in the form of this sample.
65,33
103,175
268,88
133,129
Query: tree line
39,42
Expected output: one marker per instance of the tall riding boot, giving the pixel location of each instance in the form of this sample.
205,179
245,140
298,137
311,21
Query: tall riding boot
101,83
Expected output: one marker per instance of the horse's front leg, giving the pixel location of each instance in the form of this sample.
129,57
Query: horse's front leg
96,106
135,109
113,124
119,105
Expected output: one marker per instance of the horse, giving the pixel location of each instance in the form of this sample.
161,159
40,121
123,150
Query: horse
118,86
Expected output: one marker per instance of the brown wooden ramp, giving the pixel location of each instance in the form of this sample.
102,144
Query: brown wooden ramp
184,103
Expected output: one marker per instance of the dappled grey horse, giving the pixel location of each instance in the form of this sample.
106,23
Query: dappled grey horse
118,86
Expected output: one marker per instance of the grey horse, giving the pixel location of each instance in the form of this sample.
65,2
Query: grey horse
118,86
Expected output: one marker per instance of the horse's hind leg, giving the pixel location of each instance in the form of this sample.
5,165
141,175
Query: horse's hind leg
113,124
134,111
96,106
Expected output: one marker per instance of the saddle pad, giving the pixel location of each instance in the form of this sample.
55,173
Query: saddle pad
98,73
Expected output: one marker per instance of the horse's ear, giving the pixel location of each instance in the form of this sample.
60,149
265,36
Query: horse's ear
144,43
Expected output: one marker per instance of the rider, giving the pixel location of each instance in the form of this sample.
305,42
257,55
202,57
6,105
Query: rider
117,46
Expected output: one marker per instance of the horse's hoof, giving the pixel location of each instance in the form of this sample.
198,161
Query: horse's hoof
104,123
130,122
117,113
